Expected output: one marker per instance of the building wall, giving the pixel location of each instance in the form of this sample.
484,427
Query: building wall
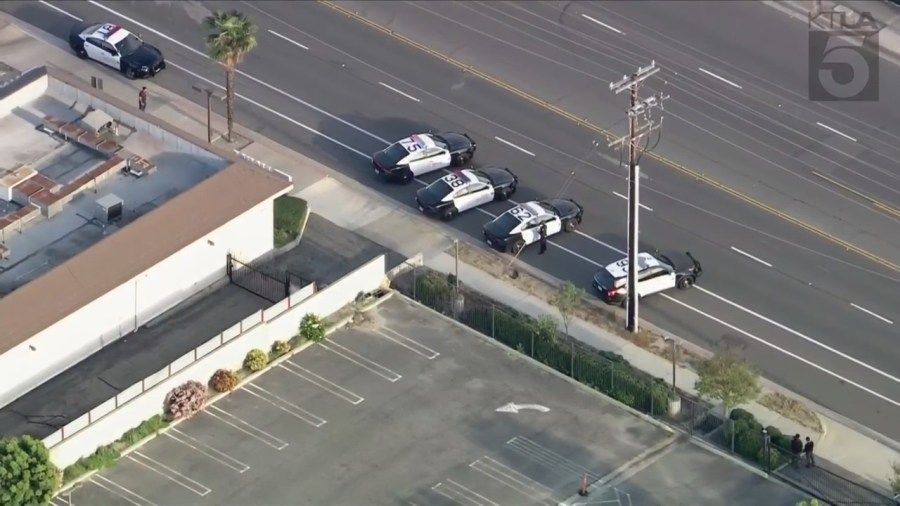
134,303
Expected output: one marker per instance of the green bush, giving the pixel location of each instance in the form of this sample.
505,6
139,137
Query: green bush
279,348
146,428
289,214
224,380
312,328
741,414
256,360
27,475
107,455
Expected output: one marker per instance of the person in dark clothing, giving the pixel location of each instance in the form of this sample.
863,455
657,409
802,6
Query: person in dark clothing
796,450
808,452
543,239
142,99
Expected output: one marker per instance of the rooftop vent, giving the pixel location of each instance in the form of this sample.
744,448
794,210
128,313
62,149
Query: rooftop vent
109,209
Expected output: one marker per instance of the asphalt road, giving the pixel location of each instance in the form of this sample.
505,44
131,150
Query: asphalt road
800,304
744,119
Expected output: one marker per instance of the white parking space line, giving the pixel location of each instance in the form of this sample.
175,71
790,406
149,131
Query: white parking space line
361,361
604,25
836,131
872,313
57,9
288,407
204,449
623,197
251,430
582,257
321,382
169,473
529,153
513,479
395,90
294,42
720,78
120,491
403,340
548,458
751,257
454,490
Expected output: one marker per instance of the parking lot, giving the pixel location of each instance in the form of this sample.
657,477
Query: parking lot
400,410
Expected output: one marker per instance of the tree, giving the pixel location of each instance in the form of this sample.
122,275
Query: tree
566,301
27,476
811,502
728,378
232,35
895,477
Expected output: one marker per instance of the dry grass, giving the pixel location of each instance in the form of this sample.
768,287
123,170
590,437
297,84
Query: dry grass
791,409
606,317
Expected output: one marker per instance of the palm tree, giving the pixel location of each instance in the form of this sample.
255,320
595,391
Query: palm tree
232,35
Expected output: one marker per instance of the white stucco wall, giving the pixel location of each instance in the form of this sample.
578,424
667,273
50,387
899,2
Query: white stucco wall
133,303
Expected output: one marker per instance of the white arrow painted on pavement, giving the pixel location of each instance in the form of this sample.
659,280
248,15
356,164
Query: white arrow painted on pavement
515,408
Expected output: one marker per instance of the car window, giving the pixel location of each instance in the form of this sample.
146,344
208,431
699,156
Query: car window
548,207
431,152
94,42
439,142
482,178
108,47
128,45
652,273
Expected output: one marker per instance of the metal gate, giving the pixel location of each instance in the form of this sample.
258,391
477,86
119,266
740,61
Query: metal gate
255,281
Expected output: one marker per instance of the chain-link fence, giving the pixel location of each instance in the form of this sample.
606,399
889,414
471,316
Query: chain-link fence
609,373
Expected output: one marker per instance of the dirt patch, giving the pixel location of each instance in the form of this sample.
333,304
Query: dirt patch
792,409
605,317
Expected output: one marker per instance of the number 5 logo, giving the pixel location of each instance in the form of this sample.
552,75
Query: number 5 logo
840,70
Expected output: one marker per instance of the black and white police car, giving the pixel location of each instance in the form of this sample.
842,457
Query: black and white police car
656,273
423,153
462,190
520,226
116,47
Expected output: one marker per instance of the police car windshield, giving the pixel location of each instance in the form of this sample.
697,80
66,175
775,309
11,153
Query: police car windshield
393,154
506,222
436,191
128,45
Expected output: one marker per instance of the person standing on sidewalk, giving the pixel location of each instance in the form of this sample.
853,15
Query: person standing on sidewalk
796,450
808,452
142,99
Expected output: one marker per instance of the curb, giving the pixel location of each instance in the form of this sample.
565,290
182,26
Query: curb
209,402
377,302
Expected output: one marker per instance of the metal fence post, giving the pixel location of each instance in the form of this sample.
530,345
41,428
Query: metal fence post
612,376
572,353
731,424
415,281
691,421
532,344
766,449
493,319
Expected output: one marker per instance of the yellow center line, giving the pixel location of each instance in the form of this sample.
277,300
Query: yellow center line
584,122
858,193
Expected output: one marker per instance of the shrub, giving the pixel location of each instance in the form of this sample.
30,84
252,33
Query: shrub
256,360
224,380
289,213
741,414
27,476
185,400
280,348
312,328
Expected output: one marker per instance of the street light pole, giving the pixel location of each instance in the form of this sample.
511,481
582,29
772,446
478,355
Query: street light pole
209,96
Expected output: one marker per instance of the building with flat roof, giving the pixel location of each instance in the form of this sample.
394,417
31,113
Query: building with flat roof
108,217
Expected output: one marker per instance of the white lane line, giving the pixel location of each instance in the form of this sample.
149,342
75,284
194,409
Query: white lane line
377,369
57,9
169,473
548,458
240,72
367,156
295,411
437,488
751,257
623,197
321,382
251,430
720,78
872,313
526,486
294,42
472,492
429,353
835,131
395,90
785,351
119,489
214,454
529,153
601,23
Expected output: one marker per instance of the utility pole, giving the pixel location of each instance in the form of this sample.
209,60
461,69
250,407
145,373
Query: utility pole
210,94
639,126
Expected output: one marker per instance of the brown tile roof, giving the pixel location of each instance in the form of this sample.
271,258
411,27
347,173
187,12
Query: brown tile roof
132,250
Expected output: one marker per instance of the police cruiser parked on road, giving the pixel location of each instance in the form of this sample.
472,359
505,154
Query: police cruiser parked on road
116,47
465,189
520,226
656,273
423,153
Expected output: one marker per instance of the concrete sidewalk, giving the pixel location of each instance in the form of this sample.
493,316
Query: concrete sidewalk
354,206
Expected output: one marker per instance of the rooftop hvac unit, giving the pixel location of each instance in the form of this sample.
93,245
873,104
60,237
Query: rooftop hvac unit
109,209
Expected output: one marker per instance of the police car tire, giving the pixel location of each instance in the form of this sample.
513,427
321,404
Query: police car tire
129,73
81,53
406,176
685,283
449,213
503,194
461,159
570,225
